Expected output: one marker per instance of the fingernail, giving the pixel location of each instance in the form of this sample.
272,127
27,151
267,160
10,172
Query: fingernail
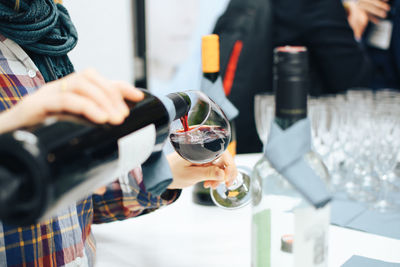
124,109
117,117
103,117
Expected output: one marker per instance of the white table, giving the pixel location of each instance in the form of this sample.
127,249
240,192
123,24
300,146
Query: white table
188,235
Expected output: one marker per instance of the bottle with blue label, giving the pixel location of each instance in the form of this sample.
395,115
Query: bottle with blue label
290,199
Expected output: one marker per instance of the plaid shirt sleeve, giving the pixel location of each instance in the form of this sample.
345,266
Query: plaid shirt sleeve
121,201
18,77
66,239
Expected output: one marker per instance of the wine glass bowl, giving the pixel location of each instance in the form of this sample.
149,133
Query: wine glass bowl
201,137
202,144
208,131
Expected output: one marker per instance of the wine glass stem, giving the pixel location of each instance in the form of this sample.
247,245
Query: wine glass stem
383,202
236,183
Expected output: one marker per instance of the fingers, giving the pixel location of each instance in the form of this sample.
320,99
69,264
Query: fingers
116,90
100,100
230,174
214,173
226,160
85,93
375,8
91,91
108,94
101,190
227,165
128,91
106,87
76,104
211,175
186,174
212,184
358,20
373,19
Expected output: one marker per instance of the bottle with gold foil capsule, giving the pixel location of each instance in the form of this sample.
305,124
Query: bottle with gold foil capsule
290,199
210,57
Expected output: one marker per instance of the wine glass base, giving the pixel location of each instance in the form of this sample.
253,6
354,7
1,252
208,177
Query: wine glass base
233,197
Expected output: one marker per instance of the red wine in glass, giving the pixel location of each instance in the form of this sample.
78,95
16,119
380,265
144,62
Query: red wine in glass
202,140
184,121
200,144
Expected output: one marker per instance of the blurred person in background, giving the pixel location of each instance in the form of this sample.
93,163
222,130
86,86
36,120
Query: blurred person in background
377,24
337,60
37,80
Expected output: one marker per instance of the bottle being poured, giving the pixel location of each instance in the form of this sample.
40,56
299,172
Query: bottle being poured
48,166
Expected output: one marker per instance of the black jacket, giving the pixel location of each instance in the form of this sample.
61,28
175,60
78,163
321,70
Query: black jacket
337,60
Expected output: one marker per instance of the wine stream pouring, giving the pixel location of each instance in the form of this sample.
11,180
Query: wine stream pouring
51,165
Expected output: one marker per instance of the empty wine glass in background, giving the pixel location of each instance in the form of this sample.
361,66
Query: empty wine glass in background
357,134
387,146
205,138
363,183
264,107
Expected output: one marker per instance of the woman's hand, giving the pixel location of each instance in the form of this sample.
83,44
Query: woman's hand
375,9
186,174
85,93
357,18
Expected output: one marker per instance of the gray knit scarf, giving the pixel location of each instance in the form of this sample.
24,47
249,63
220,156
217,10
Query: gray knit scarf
44,30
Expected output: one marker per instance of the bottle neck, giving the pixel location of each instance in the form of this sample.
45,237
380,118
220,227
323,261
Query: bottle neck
181,104
290,102
285,123
210,57
211,76
290,85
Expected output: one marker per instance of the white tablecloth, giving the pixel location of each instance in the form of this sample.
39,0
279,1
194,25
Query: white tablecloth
188,235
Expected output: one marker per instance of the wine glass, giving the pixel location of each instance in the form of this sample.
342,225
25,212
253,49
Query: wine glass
264,106
205,138
387,148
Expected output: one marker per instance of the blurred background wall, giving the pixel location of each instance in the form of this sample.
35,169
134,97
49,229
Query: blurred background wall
105,36
174,30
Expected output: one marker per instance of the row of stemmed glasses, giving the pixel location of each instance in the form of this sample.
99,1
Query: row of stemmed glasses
387,142
357,134
362,145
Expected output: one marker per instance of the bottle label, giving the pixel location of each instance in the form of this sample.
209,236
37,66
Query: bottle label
261,238
310,246
135,148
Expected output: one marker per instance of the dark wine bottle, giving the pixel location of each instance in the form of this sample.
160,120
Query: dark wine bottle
270,187
53,164
210,55
291,84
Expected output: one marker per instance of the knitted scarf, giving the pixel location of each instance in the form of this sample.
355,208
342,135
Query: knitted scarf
44,30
